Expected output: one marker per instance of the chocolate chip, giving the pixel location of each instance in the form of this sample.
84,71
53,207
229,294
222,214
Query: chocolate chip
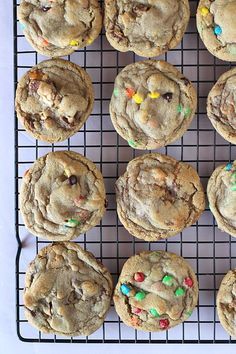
186,81
168,96
72,180
106,203
45,8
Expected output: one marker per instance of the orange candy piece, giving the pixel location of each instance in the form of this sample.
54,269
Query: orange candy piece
35,75
129,92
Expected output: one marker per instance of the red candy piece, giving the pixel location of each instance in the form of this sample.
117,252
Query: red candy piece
129,92
139,277
164,323
188,282
136,310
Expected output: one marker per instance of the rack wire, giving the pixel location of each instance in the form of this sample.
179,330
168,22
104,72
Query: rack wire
210,252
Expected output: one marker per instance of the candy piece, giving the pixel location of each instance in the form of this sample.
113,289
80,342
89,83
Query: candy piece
179,108
218,30
154,312
228,167
74,43
188,282
22,26
137,98
116,92
233,188
140,295
72,223
179,292
204,11
139,277
168,280
125,289
187,112
90,41
189,313
132,143
154,95
168,96
35,75
129,92
164,323
136,310
45,42
72,180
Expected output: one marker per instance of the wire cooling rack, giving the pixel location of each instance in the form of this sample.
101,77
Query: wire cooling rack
210,252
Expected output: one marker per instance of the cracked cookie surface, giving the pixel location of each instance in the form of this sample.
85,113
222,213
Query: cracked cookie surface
59,27
221,192
156,290
62,196
217,27
221,106
158,197
67,291
226,302
152,104
54,99
148,27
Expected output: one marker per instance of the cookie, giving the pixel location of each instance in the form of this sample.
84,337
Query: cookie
158,197
54,99
152,104
62,196
221,106
226,302
156,290
148,28
67,291
217,27
221,192
58,28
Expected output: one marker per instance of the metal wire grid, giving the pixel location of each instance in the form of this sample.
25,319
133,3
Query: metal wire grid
210,252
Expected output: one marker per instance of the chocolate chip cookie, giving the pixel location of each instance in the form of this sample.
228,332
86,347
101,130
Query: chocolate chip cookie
221,106
58,28
158,197
226,302
148,28
217,27
152,104
156,291
54,99
62,196
67,291
221,192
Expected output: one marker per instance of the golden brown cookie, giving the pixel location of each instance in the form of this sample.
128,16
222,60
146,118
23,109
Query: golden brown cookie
156,290
67,291
62,196
158,197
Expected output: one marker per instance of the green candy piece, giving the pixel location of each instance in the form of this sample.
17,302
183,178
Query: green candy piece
168,280
132,143
179,292
72,223
187,112
179,108
154,313
189,313
140,295
116,92
233,188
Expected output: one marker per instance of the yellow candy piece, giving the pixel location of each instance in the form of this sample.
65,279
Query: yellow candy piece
67,172
90,41
74,42
154,95
204,11
137,98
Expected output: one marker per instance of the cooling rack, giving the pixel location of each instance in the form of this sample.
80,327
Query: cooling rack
210,252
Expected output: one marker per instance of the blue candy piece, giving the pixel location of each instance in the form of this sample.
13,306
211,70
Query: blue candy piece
217,30
228,167
125,289
22,26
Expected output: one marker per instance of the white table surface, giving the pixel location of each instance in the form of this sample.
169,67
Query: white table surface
9,343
